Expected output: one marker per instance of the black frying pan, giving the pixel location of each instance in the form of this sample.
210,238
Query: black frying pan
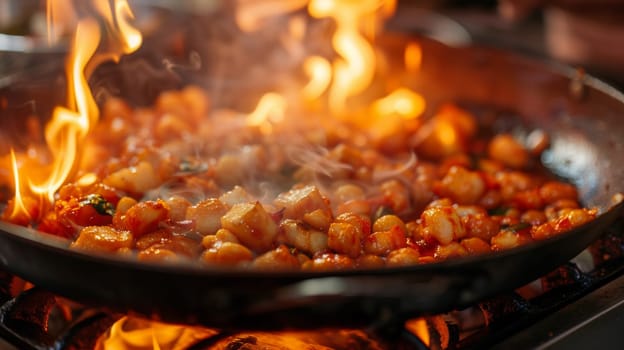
587,134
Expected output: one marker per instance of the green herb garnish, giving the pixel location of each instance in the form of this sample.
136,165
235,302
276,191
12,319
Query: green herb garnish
101,205
517,227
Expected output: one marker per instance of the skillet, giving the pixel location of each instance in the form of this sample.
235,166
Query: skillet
586,128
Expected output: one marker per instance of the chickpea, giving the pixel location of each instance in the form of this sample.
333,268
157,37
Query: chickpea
462,186
349,192
177,207
388,222
481,226
442,224
450,250
356,206
555,190
475,246
361,222
403,257
505,149
369,261
279,259
396,195
207,215
329,261
345,238
533,217
507,239
383,242
227,253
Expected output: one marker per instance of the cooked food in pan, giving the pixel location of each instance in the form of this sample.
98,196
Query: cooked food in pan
179,181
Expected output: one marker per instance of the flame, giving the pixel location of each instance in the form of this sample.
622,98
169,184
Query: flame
18,203
70,125
419,328
133,333
320,72
402,102
138,334
355,69
270,109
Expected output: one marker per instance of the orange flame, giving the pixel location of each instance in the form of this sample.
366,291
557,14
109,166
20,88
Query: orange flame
18,203
133,333
270,109
319,71
355,70
402,102
419,328
70,125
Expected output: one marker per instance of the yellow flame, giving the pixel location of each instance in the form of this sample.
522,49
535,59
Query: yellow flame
18,203
318,69
419,328
402,102
355,69
70,125
133,333
270,109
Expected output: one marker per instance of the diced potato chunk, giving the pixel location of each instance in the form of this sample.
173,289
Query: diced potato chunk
300,201
103,239
252,225
319,219
236,196
143,217
207,215
177,207
138,179
307,240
